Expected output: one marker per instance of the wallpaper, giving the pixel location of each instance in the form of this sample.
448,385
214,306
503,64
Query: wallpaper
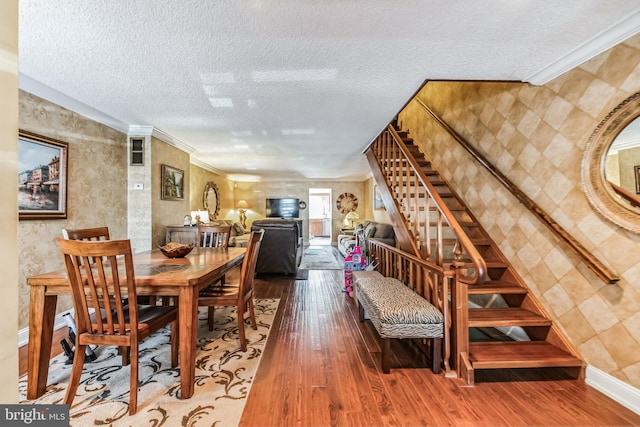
96,190
536,136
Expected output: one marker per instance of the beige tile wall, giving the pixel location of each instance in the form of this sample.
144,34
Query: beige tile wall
255,193
536,136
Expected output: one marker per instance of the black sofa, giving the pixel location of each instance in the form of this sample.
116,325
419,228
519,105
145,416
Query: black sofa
282,245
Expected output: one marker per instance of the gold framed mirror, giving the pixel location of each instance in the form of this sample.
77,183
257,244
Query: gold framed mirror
609,173
211,200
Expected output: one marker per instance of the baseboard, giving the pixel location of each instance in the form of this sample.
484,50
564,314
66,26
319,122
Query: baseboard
623,393
59,322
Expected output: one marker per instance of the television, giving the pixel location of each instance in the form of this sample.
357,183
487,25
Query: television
282,208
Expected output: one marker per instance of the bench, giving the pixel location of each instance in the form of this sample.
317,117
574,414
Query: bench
397,312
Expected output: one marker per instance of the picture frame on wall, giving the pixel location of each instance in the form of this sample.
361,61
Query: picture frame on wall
378,204
172,183
42,177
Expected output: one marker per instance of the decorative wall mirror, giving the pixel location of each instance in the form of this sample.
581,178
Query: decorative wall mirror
211,200
609,166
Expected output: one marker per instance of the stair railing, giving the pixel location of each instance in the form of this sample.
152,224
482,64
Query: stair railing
603,272
427,279
403,175
631,198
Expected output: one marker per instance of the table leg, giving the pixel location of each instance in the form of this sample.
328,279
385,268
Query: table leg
188,313
42,312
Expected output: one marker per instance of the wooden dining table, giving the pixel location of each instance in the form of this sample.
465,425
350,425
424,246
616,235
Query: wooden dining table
156,275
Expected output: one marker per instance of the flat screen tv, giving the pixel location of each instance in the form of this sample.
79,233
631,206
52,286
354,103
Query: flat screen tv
282,208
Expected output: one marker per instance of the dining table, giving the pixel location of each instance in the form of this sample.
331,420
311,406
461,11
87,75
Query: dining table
155,275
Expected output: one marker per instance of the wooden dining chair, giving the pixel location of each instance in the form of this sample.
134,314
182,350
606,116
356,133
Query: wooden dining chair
240,294
101,288
214,236
96,233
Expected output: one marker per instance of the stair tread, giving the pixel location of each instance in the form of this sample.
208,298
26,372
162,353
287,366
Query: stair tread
502,288
519,354
511,316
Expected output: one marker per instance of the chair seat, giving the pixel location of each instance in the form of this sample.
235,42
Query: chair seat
231,289
149,316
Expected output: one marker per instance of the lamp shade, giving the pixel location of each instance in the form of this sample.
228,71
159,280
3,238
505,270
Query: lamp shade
242,204
353,216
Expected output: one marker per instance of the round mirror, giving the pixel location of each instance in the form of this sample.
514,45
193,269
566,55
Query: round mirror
611,165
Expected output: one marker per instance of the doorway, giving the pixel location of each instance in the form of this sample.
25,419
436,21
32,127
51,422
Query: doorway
320,216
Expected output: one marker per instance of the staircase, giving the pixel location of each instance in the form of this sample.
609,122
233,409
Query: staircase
496,323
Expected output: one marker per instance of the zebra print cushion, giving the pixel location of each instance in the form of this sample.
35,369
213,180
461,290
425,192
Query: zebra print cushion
396,311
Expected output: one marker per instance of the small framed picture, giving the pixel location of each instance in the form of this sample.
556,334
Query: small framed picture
636,170
172,183
378,204
42,177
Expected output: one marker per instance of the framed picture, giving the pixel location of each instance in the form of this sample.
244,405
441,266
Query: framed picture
42,177
172,183
636,170
377,199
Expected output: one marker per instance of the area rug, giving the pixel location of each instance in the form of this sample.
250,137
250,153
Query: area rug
223,378
321,258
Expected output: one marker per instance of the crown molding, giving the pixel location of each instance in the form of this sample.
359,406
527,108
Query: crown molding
34,87
602,41
206,166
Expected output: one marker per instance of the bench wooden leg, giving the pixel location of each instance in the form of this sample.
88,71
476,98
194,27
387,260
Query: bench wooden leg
386,355
360,312
436,355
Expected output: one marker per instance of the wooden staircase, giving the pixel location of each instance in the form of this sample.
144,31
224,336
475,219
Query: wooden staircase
496,322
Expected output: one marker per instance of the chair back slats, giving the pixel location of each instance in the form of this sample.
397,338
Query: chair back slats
97,233
249,265
102,286
214,236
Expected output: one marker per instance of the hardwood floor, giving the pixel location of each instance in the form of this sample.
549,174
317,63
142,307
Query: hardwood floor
321,367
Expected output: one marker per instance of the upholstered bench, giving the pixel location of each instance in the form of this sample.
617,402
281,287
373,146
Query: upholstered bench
398,312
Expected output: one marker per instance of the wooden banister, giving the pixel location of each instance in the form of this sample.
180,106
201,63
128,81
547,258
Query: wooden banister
629,197
602,271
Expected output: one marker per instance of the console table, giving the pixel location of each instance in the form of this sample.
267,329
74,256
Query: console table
181,234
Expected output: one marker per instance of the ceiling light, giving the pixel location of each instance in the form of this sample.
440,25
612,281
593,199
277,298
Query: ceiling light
298,131
294,75
221,102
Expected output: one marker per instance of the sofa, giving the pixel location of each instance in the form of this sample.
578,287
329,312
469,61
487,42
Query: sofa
282,246
370,230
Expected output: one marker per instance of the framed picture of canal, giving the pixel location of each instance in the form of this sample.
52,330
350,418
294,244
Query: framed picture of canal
42,177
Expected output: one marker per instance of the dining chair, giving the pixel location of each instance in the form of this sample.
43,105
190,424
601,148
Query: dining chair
240,294
96,233
101,288
214,236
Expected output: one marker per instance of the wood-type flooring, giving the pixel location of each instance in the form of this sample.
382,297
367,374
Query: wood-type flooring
321,367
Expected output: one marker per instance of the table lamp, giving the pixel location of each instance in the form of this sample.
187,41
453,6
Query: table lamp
242,207
352,217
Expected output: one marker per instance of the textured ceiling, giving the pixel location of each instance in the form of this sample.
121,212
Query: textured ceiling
291,89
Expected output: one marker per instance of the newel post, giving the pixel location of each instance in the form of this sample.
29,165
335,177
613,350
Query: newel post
460,321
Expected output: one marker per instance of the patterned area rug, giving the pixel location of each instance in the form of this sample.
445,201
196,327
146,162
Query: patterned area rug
223,378
321,258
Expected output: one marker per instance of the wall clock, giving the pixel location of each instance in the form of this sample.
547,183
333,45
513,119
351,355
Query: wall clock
346,203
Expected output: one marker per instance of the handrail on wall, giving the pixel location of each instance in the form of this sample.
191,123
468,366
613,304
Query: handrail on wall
593,263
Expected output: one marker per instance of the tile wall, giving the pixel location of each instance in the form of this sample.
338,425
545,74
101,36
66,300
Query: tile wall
536,136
